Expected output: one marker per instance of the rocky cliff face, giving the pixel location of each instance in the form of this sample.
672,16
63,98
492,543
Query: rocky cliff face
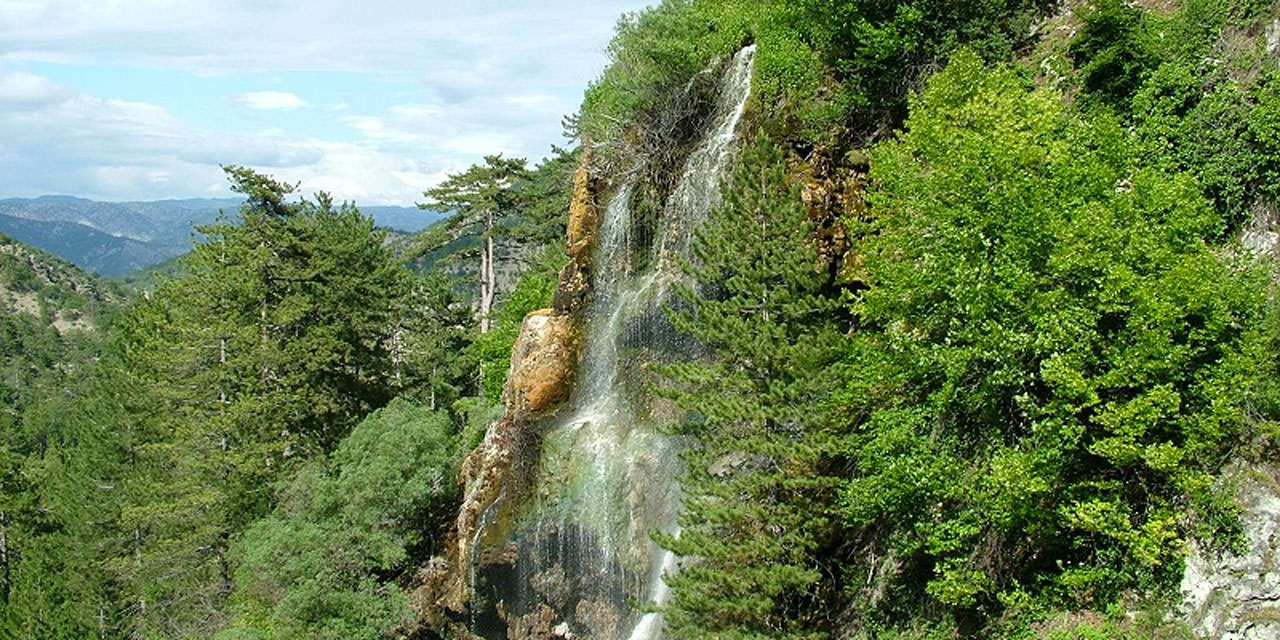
1236,596
554,535
542,366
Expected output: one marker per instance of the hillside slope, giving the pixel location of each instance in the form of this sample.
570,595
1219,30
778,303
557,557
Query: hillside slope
35,283
977,342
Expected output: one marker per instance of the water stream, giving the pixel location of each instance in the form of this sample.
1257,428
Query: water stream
607,477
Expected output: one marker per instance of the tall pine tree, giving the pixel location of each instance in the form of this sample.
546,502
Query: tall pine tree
753,494
271,346
480,197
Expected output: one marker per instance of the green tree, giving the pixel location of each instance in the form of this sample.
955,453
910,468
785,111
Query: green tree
480,197
881,50
1112,51
272,343
431,344
324,563
544,195
53,505
1051,354
754,513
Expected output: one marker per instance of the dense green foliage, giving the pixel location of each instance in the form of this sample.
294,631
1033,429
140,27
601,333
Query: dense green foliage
1052,355
319,565
268,348
830,73
431,344
1192,86
51,321
1052,352
199,472
50,315
755,517
973,336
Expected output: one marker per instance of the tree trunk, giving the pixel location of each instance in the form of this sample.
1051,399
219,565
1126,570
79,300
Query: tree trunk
4,558
486,273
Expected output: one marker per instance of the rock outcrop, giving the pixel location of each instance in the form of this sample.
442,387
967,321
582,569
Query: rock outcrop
495,475
584,223
541,363
833,190
1229,596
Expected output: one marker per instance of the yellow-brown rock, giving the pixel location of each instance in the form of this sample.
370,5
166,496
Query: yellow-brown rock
571,293
584,214
541,362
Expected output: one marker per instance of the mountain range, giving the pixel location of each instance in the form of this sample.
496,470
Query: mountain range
117,238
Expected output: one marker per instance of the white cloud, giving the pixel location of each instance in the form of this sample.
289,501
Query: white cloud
125,150
17,87
206,35
271,100
478,77
264,150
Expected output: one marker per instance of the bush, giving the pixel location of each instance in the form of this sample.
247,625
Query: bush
1112,51
1052,354
323,564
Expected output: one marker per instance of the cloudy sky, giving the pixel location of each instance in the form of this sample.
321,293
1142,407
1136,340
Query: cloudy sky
372,100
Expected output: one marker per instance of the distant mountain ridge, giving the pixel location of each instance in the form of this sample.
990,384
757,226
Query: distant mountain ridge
89,248
117,238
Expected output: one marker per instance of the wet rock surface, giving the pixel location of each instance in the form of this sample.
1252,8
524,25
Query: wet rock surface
553,537
584,223
542,364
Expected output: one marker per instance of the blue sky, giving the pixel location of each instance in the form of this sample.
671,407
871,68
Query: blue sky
373,101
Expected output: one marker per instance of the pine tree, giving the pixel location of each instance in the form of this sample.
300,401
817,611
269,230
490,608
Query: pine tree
754,515
430,344
480,197
544,195
273,343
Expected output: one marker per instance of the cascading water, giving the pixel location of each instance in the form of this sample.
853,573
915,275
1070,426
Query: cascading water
582,552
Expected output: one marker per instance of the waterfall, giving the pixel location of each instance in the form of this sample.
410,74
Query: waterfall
699,188
607,477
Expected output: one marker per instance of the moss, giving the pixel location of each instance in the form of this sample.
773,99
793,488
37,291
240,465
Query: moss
1269,615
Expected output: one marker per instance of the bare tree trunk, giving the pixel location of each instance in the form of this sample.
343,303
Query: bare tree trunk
486,275
435,372
222,375
397,355
4,558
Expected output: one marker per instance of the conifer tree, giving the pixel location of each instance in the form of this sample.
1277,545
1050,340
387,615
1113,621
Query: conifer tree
480,197
754,516
430,343
271,345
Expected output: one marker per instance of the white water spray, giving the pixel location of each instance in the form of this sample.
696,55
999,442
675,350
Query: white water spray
607,478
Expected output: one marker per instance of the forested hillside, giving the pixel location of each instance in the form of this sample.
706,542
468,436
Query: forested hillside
53,317
52,320
190,469
981,314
